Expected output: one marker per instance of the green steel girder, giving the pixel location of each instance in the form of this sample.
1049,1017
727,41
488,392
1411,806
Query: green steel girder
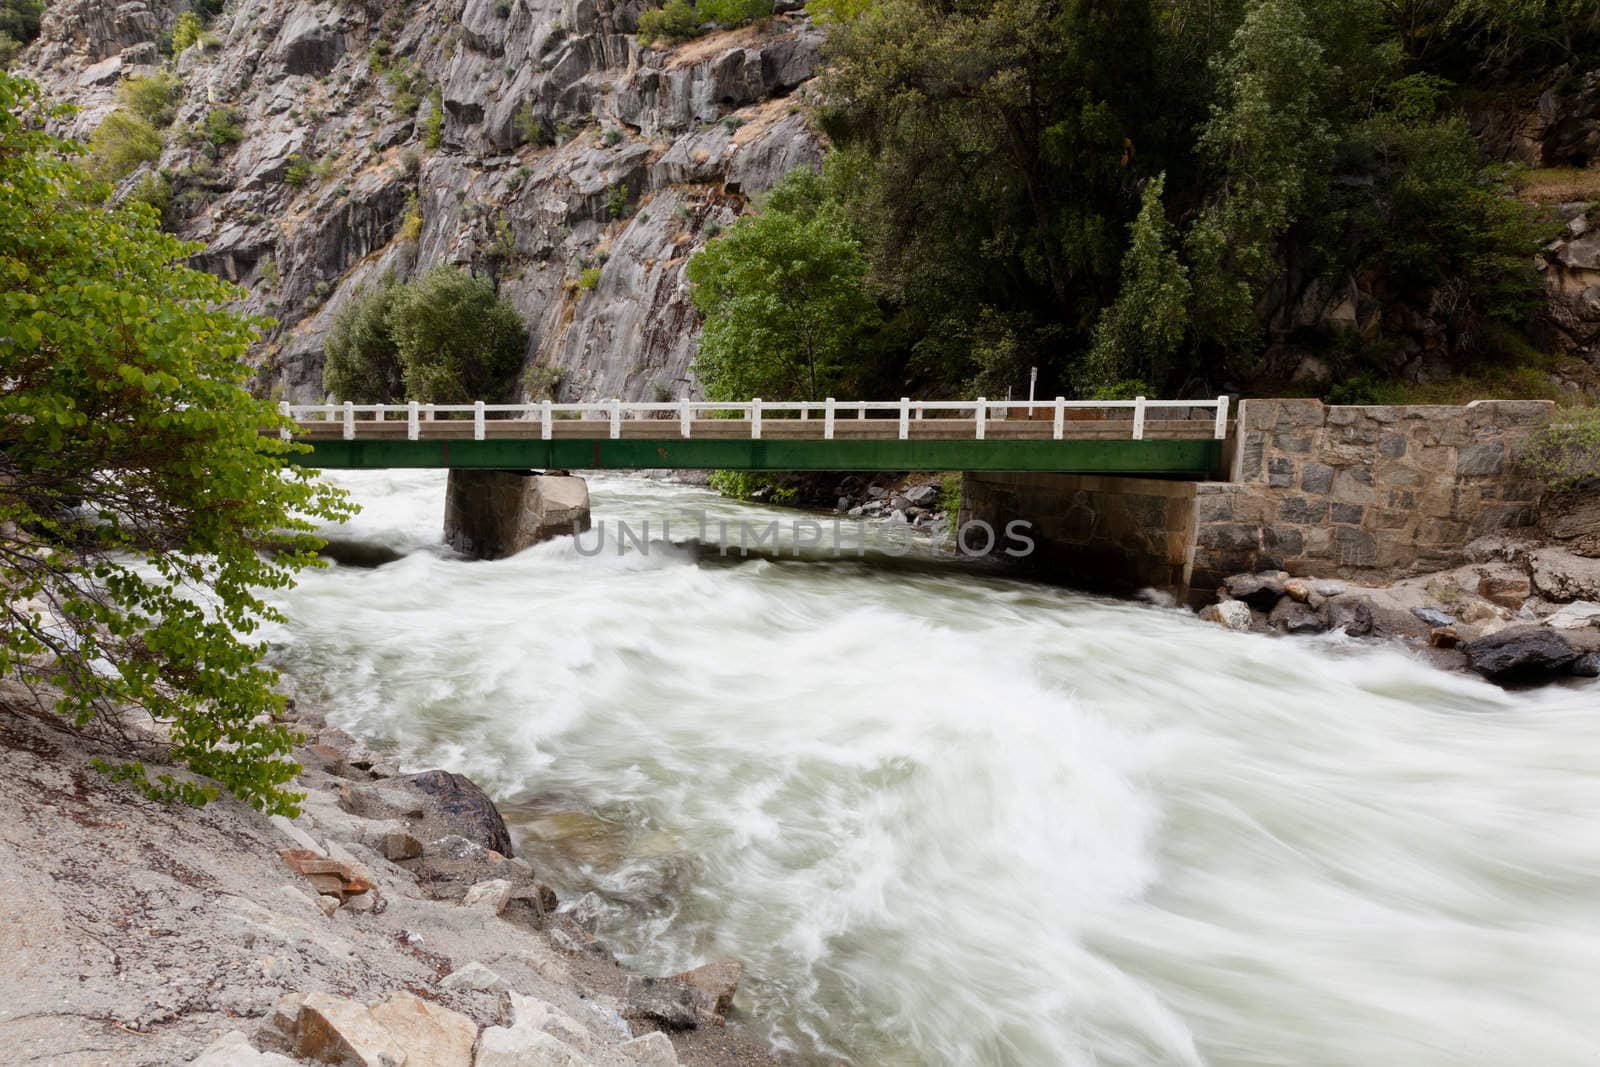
1192,458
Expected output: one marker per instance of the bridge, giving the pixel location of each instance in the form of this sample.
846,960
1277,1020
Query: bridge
1168,438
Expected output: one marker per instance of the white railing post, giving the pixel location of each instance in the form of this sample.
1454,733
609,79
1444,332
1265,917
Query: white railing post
616,419
428,408
685,418
827,419
545,418
1222,417
805,412
1061,417
755,419
477,420
979,414
861,410
905,417
288,413
349,421
380,412
1138,418
413,427
921,411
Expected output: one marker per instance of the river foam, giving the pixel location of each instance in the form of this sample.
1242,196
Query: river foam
947,818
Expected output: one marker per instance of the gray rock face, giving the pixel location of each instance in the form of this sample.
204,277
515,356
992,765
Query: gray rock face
1293,617
1522,654
494,514
1258,590
563,146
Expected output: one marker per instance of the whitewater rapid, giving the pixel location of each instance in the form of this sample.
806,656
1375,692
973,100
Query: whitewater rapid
948,818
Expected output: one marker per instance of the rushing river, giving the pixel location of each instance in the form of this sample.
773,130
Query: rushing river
946,818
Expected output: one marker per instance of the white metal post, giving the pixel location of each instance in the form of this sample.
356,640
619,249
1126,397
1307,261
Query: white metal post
755,418
685,418
905,417
286,412
1061,417
861,410
413,427
546,416
1033,380
1222,417
349,421
477,420
429,409
1138,418
979,414
380,412
616,419
827,418
805,412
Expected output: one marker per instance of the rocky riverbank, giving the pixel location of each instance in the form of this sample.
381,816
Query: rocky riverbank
391,923
1524,610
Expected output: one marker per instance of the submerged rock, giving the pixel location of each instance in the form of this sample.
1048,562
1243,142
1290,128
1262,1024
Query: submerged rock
1291,616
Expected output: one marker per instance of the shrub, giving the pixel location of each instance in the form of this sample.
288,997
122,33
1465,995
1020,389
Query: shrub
435,126
155,192
620,203
589,279
502,9
120,144
527,124
611,137
186,31
540,381
222,127
676,21
411,226
151,98
1566,454
297,172
733,12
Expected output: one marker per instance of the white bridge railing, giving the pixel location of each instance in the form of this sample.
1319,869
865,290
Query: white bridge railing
979,412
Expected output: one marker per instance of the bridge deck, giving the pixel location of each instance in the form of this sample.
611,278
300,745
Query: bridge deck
1118,437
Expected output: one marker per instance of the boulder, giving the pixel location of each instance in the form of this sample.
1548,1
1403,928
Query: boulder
922,496
1229,614
474,976
714,985
233,1049
651,1050
1507,590
1434,617
1587,666
1258,590
1522,654
1292,616
332,1029
434,804
429,1033
404,1029
1562,576
398,846
1299,589
515,1046
665,1001
328,876
490,896
1351,614
1579,615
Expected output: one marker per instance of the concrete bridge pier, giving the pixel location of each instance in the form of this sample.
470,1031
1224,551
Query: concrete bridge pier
492,514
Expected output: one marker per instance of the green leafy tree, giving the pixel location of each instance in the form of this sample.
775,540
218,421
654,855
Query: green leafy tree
361,361
19,26
676,20
1268,141
146,497
120,144
456,340
785,305
1139,335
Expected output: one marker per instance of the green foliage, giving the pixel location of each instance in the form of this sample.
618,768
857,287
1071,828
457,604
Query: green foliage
540,381
676,20
589,279
434,131
186,31
151,97
1565,455
361,361
19,21
752,485
1140,333
120,144
444,338
950,502
222,127
528,125
298,172
619,203
155,192
142,494
733,12
785,304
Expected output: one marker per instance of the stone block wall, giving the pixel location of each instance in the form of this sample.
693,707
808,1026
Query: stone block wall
1365,493
1118,535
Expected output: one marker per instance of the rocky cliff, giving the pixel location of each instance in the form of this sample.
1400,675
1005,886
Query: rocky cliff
532,141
